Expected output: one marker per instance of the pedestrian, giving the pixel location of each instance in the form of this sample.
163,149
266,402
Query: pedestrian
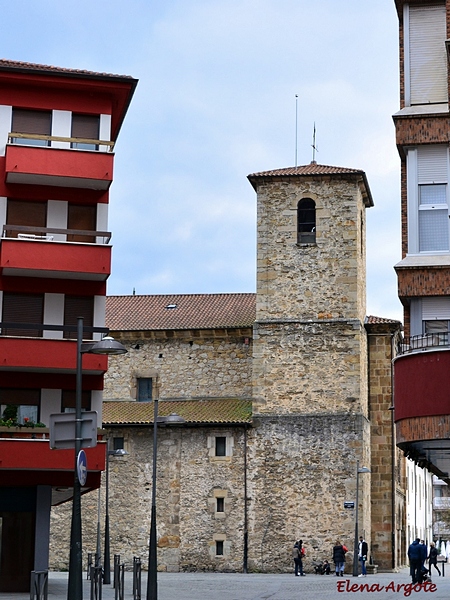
362,555
415,561
432,558
296,557
339,558
301,554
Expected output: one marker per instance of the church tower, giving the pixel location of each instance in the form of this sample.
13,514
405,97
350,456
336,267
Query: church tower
310,380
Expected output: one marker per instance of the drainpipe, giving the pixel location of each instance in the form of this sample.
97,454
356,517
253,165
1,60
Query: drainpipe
393,456
245,562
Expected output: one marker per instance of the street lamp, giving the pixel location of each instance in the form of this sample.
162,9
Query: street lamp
107,558
356,542
152,582
106,346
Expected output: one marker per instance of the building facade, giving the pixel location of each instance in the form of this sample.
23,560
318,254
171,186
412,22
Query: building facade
422,398
57,133
283,392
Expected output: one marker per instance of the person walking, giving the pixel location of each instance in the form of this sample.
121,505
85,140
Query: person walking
362,555
415,561
339,558
432,558
301,554
296,557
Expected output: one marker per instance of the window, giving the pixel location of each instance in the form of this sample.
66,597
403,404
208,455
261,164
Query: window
433,218
26,213
221,446
25,309
220,505
118,443
68,400
219,548
144,389
35,122
425,55
84,218
306,221
78,306
85,127
20,405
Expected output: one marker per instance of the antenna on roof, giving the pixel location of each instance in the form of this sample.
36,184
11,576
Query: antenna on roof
313,145
296,126
134,292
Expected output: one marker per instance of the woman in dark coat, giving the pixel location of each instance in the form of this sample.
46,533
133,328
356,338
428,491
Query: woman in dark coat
432,558
339,558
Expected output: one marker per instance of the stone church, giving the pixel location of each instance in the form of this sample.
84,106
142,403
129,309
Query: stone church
283,394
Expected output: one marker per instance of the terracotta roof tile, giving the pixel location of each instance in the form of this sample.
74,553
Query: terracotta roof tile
200,411
371,320
14,65
180,311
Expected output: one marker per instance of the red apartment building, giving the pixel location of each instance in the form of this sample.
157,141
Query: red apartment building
421,371
57,133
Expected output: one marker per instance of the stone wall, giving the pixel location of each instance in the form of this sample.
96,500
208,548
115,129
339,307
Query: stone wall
184,364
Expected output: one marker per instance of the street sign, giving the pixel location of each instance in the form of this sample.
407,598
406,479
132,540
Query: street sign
82,467
62,430
349,505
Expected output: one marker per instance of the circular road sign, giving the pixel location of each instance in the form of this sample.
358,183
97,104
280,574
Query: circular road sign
82,467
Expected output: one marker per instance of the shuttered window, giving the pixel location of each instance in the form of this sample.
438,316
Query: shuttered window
84,218
23,212
78,306
68,400
86,127
20,405
427,54
34,122
22,308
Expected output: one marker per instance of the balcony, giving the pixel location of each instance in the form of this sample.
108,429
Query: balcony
26,163
422,401
26,459
55,253
441,503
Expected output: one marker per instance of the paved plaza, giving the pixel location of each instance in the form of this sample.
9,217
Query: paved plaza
235,586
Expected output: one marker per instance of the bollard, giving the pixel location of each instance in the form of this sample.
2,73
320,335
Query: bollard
116,569
137,569
96,583
39,585
120,583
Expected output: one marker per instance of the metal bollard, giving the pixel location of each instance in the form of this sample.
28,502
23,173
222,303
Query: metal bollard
39,585
137,570
89,565
96,583
116,569
120,584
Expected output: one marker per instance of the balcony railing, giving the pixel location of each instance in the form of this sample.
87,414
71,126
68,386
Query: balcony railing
48,234
441,503
38,328
427,341
17,138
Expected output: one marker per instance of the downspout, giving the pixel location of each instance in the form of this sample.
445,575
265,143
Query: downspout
245,562
393,530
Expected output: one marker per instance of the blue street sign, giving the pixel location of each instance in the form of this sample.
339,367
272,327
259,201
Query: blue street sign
82,467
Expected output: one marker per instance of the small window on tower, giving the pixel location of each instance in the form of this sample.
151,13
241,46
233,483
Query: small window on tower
144,389
221,446
306,221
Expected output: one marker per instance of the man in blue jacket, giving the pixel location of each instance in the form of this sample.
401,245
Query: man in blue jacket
416,558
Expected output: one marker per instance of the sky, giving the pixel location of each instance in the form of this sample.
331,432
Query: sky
216,101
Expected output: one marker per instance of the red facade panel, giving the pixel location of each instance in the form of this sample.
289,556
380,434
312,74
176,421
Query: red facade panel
74,261
53,356
419,384
58,167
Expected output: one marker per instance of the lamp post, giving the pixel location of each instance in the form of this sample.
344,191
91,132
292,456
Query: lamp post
106,346
356,541
107,557
152,581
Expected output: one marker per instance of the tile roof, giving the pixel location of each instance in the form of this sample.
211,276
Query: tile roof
214,411
371,320
310,170
14,65
180,311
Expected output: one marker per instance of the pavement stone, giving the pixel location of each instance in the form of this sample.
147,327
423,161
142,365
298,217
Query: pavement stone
256,586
